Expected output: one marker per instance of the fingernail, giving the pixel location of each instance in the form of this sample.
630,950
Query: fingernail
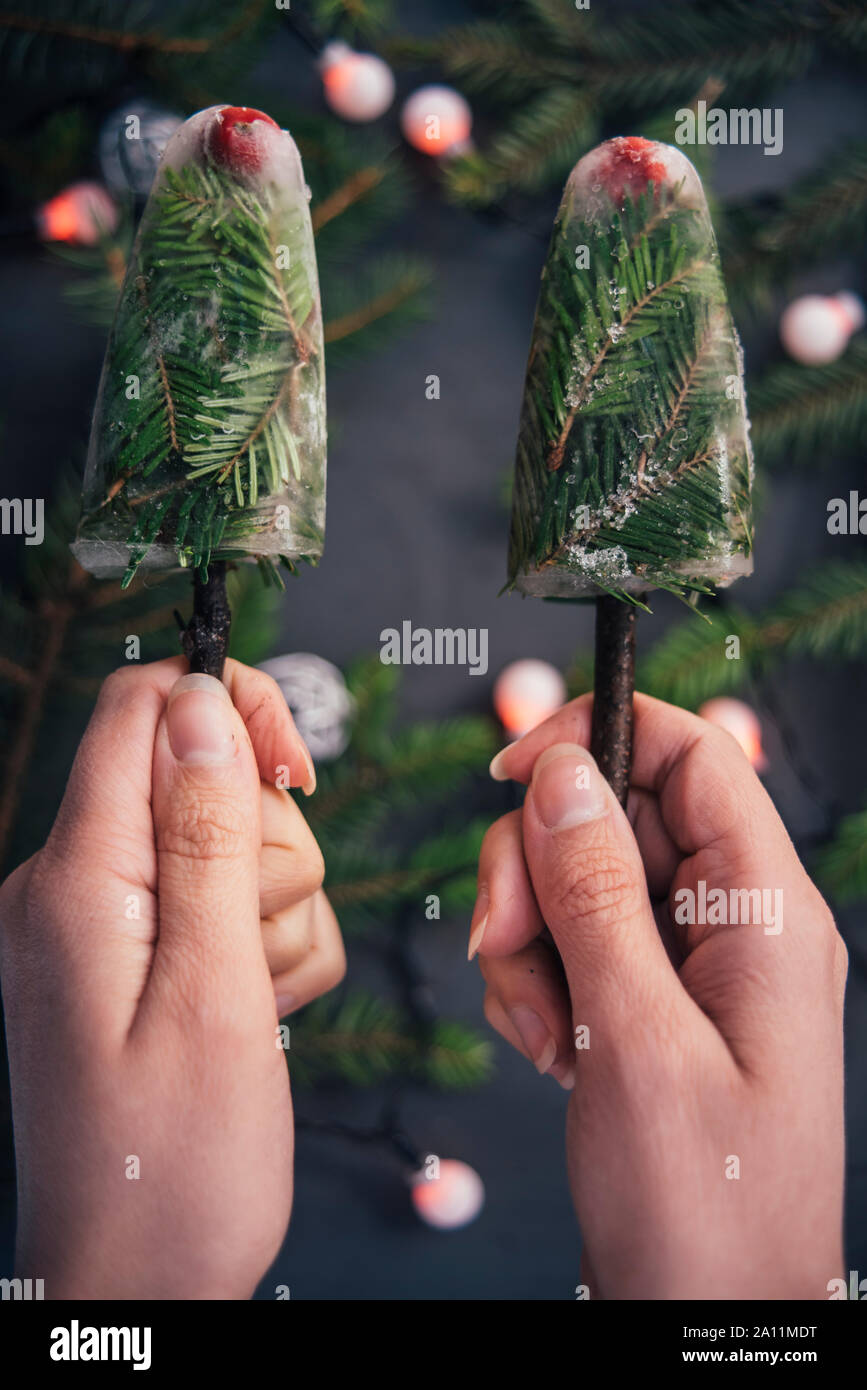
285,1003
564,1073
479,921
568,787
309,786
496,766
535,1036
200,719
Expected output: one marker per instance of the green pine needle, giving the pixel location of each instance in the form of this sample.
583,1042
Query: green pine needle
841,865
618,470
364,1041
811,415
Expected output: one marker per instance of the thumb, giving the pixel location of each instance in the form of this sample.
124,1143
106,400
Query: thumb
590,884
207,827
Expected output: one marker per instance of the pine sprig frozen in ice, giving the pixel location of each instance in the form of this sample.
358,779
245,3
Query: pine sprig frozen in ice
208,440
633,466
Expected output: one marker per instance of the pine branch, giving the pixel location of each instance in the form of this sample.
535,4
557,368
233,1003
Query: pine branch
810,415
42,160
359,185
127,40
362,310
363,883
212,427
689,664
618,469
824,617
841,865
823,213
618,65
351,18
580,387
545,137
56,617
373,687
490,56
408,768
365,1041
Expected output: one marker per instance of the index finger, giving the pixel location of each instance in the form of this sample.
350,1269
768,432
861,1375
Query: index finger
663,734
667,741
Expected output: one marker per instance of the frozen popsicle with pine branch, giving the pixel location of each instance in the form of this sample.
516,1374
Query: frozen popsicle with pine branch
209,436
634,465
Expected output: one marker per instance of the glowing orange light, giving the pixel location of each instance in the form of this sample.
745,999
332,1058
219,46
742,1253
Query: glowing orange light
436,120
79,214
741,722
451,1200
525,693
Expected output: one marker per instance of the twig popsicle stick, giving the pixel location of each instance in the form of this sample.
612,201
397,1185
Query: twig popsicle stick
614,685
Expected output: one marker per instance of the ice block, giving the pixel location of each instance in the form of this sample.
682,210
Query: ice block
634,466
208,438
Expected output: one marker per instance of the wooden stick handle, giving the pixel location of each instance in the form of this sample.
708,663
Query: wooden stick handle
205,639
613,688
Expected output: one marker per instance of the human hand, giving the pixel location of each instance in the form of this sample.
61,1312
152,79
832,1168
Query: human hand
705,1127
141,951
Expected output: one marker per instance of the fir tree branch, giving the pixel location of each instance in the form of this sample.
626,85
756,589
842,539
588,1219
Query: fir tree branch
841,865
824,211
544,48
810,415
419,761
357,186
547,135
55,619
555,455
377,308
363,1041
131,41
826,616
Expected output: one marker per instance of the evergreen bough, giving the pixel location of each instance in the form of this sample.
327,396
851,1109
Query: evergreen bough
213,326
620,472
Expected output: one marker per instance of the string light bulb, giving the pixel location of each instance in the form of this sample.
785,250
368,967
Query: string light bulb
80,215
446,1193
741,722
527,692
358,86
437,120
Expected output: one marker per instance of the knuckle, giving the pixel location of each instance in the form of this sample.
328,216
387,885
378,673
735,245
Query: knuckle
12,891
211,826
493,1010
336,970
838,951
312,871
496,839
198,1007
488,841
267,696
115,689
595,884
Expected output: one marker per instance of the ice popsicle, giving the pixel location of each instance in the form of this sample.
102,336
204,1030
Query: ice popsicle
208,438
634,465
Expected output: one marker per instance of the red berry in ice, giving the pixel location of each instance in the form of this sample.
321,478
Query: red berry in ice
236,139
629,164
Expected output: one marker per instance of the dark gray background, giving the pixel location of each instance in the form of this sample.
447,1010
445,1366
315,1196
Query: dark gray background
417,530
